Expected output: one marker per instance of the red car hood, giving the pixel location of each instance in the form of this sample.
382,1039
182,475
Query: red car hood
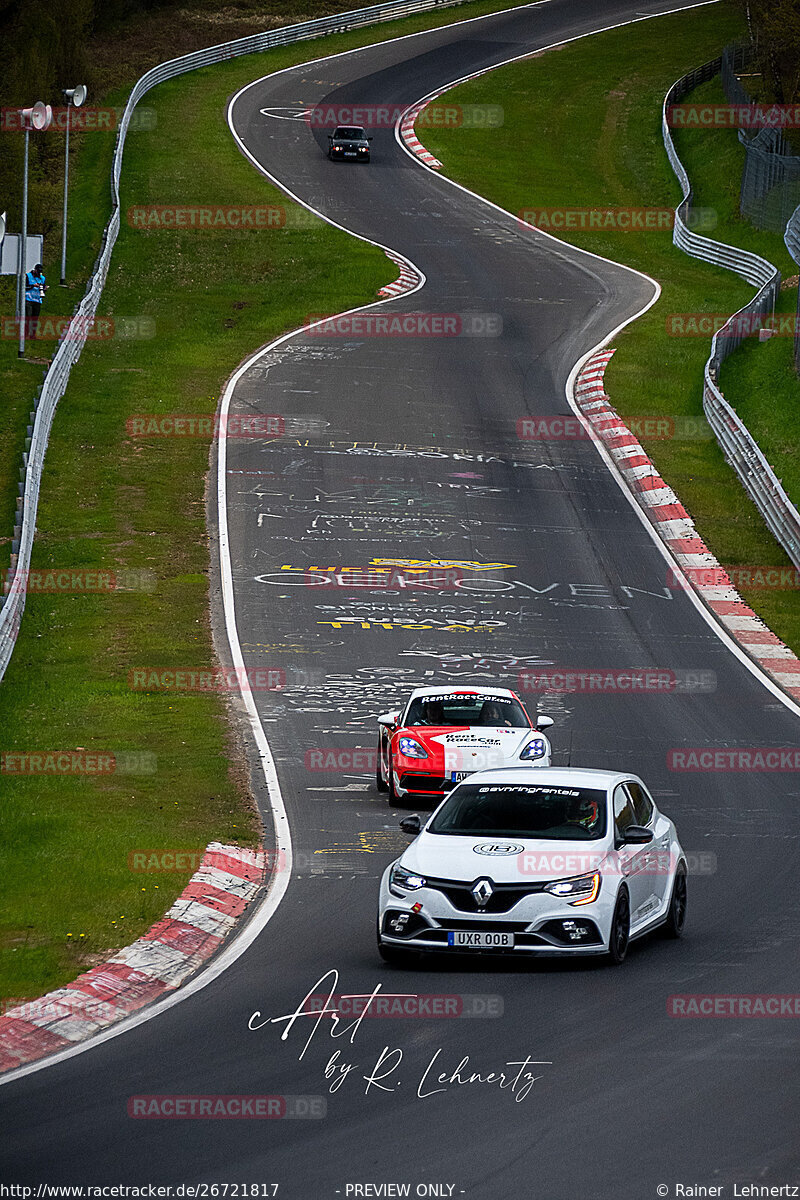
468,747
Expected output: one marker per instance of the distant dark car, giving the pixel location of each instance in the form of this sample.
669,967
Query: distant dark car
349,141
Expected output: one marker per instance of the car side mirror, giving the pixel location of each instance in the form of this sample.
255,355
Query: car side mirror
544,722
411,825
636,835
330,137
369,139
389,720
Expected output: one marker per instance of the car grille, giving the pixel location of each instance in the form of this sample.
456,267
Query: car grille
502,900
425,783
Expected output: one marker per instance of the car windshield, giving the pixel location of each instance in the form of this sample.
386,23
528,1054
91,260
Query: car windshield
491,711
349,131
520,810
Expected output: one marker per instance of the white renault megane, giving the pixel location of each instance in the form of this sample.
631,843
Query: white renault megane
556,861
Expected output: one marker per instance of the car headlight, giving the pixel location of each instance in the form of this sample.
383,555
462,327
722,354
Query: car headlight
583,889
399,877
337,147
536,748
411,748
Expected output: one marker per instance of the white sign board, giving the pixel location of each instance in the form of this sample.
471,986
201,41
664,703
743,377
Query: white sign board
9,252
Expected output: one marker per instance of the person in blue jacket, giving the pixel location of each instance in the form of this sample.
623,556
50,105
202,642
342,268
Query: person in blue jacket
35,288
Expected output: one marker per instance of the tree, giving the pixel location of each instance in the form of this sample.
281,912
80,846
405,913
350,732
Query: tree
774,27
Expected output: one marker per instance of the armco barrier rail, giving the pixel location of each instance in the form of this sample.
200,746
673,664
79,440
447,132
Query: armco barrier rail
71,345
737,444
792,239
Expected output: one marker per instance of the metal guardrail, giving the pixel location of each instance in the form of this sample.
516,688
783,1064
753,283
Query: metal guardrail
792,239
72,343
738,446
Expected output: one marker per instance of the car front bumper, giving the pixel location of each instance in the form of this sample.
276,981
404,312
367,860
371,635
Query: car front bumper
409,781
542,924
351,155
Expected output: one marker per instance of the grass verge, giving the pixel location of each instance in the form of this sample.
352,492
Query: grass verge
112,502
582,130
90,207
752,381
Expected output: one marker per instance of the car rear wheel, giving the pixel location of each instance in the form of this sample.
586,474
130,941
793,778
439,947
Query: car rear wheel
380,782
676,914
620,929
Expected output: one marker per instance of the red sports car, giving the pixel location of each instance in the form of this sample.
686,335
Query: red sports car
445,734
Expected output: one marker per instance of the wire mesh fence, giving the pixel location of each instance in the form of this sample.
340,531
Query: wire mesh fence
770,190
792,239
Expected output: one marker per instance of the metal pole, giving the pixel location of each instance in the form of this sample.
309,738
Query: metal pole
66,184
21,352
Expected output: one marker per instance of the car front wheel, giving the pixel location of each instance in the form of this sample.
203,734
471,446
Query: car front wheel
393,798
380,782
620,928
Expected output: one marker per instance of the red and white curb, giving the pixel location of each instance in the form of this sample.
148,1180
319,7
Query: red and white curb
676,529
216,896
411,115
408,280
409,136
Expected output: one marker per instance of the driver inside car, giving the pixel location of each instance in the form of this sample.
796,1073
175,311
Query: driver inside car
583,812
434,713
492,714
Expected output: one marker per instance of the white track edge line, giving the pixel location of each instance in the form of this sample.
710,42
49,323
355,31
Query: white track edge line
711,619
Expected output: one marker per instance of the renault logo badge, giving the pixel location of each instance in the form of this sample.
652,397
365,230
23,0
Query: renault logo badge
483,892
